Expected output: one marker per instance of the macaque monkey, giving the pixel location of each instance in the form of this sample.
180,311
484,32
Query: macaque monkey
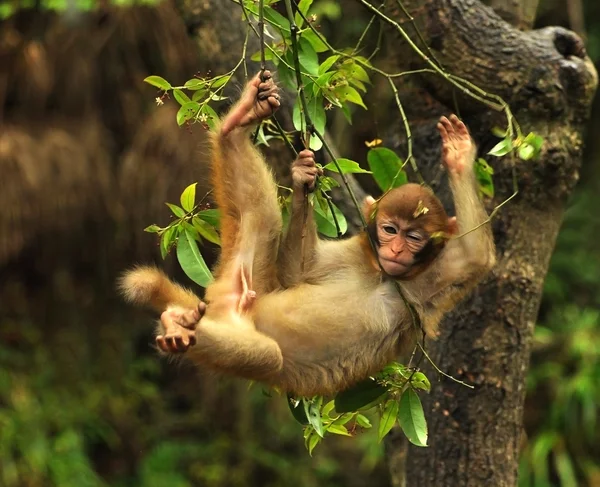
321,325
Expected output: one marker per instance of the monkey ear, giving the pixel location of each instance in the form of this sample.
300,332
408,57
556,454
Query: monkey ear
452,226
369,208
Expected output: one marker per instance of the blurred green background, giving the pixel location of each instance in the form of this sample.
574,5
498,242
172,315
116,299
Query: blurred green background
85,402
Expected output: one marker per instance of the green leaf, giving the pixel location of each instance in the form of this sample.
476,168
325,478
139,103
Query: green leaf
360,395
325,221
152,229
347,93
181,97
526,151
358,72
191,260
159,82
338,429
386,167
199,94
325,183
188,197
325,65
219,81
166,240
278,20
206,230
388,418
501,148
195,84
308,57
483,175
177,211
303,6
363,421
211,216
536,141
210,115
312,441
565,470
187,112
347,166
297,410
498,132
412,418
420,381
315,40
312,409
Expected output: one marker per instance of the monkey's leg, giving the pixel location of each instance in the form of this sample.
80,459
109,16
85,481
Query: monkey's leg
247,197
228,342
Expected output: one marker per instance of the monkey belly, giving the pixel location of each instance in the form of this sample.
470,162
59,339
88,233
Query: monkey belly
326,351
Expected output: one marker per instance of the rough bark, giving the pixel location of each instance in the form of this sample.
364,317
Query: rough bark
549,83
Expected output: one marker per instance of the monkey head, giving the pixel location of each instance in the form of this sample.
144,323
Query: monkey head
410,228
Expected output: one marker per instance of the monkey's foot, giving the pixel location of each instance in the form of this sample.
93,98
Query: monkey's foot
179,325
259,100
457,146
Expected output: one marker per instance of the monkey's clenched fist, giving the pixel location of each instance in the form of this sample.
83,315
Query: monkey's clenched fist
305,171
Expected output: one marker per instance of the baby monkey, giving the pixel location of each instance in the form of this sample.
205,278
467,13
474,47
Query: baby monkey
314,316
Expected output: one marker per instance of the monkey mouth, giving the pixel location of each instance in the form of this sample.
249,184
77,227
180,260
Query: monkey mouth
393,267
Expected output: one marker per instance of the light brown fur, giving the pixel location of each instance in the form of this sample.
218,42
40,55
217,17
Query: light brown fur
320,328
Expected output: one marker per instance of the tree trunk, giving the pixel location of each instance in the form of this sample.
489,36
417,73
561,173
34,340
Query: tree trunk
549,83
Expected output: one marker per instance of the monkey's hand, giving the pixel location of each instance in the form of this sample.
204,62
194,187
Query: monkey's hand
458,150
259,100
178,327
305,171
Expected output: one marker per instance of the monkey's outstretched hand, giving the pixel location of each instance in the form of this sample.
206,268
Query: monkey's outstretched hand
259,100
305,171
457,146
178,328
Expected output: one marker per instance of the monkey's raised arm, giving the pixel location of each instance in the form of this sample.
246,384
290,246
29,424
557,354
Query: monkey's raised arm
297,249
467,257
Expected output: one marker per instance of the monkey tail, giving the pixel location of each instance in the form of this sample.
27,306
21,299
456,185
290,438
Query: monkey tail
148,286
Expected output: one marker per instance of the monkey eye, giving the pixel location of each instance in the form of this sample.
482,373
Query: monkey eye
414,236
389,229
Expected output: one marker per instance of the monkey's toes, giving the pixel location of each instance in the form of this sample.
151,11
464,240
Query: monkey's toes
177,343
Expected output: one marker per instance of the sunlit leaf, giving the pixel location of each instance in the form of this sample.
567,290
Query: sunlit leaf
501,148
328,63
312,442
420,381
363,421
347,166
347,93
159,82
526,151
412,418
303,6
191,260
338,429
360,395
177,211
219,81
483,175
188,197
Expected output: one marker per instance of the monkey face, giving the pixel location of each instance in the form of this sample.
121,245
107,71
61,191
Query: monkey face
400,244
403,224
